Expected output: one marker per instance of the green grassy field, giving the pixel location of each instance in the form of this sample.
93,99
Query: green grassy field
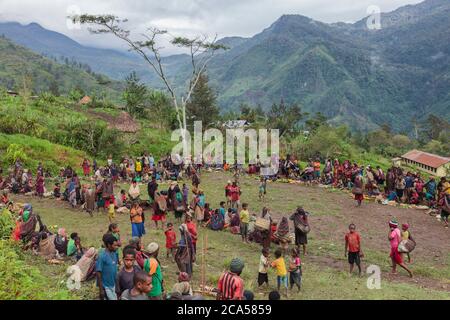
325,273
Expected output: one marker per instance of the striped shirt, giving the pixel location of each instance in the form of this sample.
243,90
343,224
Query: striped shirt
231,286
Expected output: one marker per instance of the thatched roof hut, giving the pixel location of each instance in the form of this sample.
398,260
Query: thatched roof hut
125,123
85,100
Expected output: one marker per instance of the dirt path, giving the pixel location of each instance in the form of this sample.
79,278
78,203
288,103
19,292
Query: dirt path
433,240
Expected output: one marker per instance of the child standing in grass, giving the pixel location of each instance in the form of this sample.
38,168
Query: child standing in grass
171,240
245,220
111,210
262,188
353,247
280,266
263,265
295,269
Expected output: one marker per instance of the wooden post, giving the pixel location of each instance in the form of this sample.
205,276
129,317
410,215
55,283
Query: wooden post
202,277
203,267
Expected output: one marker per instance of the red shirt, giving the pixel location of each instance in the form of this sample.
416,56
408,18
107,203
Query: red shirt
171,239
192,228
231,286
235,193
228,190
354,241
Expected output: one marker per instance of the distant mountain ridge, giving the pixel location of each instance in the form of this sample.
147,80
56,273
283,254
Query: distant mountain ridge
360,77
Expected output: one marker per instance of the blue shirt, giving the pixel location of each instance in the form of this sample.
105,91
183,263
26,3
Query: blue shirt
431,187
409,182
222,212
201,203
107,264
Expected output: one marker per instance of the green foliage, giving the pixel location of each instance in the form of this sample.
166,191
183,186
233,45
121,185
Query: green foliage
22,281
15,152
161,111
285,118
387,144
6,224
33,150
203,103
326,142
28,72
135,95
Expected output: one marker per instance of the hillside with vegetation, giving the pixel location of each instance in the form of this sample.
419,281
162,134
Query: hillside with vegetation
58,131
354,76
29,73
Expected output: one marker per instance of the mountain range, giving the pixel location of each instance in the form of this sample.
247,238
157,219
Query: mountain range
363,78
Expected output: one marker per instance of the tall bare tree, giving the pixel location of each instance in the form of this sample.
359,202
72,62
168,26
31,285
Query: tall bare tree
201,51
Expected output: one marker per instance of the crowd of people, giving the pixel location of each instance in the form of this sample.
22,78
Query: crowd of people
394,185
137,274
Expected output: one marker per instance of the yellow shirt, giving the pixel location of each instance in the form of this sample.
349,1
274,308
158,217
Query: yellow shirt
111,209
447,187
280,266
405,235
245,216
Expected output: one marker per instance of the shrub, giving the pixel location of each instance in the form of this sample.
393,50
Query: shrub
15,152
6,224
22,281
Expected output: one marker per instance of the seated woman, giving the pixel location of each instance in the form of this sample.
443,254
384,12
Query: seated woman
207,214
392,196
414,197
61,242
235,223
134,192
217,221
57,191
74,248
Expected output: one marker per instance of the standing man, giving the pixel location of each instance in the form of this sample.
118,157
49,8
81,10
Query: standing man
106,268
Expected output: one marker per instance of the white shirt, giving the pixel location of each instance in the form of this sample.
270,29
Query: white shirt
263,264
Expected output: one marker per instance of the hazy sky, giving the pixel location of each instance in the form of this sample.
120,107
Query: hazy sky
224,17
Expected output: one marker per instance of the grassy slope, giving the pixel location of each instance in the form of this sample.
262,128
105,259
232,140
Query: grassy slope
54,119
325,279
52,156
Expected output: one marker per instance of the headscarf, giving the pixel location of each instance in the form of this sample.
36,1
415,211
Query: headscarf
405,226
183,228
236,265
393,223
183,276
27,207
62,232
152,247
